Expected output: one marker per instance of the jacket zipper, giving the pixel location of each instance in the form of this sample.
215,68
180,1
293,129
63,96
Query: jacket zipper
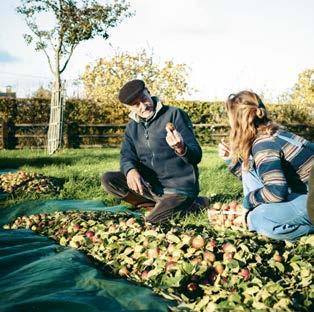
148,143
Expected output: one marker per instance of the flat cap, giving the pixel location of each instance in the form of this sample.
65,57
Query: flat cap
131,91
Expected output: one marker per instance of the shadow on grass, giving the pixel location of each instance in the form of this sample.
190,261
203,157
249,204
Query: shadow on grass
40,162
225,197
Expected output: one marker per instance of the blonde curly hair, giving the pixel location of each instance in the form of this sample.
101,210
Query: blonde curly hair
248,119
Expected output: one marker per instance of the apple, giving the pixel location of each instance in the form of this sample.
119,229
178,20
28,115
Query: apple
198,242
209,256
191,287
219,268
228,247
130,221
144,275
217,206
76,227
153,253
245,273
196,261
228,255
170,266
211,244
122,223
278,258
224,206
89,234
112,229
233,205
124,271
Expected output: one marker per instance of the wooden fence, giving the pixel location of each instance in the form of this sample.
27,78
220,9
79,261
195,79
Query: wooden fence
17,136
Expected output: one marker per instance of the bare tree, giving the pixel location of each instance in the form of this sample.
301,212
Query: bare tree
73,22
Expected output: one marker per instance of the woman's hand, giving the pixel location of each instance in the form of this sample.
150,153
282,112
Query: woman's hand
223,151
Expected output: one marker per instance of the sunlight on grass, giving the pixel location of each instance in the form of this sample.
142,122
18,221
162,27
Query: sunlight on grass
81,169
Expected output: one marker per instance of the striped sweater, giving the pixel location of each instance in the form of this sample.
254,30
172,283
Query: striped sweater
282,166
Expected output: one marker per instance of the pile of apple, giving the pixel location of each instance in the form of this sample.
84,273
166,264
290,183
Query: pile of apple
199,267
226,215
26,182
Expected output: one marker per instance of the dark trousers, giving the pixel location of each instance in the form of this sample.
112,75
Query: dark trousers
163,206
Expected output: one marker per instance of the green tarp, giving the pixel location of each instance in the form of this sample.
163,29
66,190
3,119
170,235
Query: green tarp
36,274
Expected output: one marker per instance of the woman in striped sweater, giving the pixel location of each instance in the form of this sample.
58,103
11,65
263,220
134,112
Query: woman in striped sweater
274,166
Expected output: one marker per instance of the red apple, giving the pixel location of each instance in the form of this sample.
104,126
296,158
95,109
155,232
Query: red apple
191,287
89,234
144,275
245,273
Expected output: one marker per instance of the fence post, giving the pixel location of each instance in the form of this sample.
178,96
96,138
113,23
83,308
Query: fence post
72,139
8,134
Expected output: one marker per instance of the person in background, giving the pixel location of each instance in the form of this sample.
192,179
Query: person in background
159,157
274,165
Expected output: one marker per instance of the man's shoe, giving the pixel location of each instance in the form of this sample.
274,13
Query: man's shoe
202,201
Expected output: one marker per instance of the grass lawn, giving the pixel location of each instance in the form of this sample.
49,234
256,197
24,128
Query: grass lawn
80,171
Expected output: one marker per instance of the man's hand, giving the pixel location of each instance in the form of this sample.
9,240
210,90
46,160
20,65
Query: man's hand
135,181
175,141
224,151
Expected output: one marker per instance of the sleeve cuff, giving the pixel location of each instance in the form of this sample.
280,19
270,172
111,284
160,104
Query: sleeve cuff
126,168
185,151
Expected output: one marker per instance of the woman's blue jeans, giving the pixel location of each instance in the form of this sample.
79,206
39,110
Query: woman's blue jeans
287,220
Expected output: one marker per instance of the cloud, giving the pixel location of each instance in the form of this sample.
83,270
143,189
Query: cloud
6,57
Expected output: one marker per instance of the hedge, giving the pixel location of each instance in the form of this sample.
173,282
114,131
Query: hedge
21,111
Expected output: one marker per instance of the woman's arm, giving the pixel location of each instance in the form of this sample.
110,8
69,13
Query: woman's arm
267,158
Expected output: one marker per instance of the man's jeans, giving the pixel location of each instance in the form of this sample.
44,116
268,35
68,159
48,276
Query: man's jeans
287,220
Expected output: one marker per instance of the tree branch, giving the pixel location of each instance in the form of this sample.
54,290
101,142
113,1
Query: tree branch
41,41
49,62
68,59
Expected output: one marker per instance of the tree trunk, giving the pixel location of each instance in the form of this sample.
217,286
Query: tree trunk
56,112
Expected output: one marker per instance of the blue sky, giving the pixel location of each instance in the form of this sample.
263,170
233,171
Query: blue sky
229,45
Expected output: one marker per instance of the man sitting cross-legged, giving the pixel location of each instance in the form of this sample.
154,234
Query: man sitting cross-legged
159,157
